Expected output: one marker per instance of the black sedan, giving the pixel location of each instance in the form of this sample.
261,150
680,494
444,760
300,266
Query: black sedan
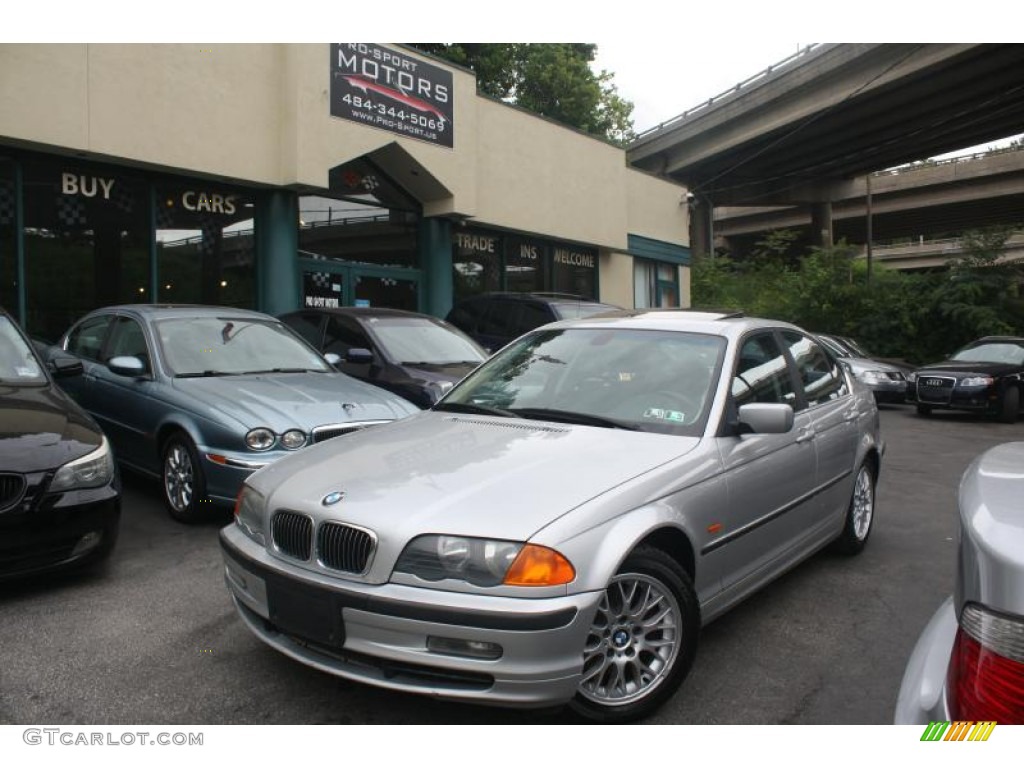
60,495
416,356
986,376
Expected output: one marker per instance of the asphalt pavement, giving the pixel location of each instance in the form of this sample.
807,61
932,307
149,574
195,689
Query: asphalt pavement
152,638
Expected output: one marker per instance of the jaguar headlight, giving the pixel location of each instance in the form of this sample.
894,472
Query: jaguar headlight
260,439
484,562
249,507
90,471
293,438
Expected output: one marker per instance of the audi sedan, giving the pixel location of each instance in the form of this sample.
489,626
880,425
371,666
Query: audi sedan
561,524
985,377
969,661
201,397
888,382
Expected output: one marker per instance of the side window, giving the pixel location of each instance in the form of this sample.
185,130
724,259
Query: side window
341,336
128,339
86,340
307,325
533,316
762,374
819,373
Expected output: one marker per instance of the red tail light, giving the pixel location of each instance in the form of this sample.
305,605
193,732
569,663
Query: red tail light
985,680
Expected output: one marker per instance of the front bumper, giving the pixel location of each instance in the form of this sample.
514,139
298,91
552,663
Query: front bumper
922,696
378,634
60,531
981,399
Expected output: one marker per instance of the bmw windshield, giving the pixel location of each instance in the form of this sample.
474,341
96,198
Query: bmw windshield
645,380
226,346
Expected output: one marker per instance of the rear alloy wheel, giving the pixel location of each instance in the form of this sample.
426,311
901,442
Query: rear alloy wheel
642,642
860,514
1010,405
184,484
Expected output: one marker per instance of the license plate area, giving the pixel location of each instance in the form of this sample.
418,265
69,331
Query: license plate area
305,612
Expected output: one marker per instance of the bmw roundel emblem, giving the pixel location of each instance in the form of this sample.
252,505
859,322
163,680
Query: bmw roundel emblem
332,498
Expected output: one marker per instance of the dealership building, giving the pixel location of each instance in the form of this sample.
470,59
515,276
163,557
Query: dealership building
276,176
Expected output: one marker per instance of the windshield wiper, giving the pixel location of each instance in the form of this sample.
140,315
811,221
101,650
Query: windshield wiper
572,417
202,374
474,408
282,370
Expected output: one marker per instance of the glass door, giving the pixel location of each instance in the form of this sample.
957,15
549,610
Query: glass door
327,284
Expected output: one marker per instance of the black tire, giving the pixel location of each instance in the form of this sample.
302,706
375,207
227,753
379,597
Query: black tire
924,410
860,515
182,478
626,642
1010,406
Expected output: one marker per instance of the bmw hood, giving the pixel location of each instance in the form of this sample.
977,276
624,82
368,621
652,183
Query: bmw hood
283,401
462,474
40,429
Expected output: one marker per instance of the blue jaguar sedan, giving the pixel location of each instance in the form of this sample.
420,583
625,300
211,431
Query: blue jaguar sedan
204,396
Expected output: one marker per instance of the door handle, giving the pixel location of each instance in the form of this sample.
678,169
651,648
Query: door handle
804,435
851,415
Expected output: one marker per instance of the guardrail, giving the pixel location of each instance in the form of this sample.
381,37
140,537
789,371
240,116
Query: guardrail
329,222
926,164
725,94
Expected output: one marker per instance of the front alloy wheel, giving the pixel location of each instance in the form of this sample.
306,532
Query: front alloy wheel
184,485
642,640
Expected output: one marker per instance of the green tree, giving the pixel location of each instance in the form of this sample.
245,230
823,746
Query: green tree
551,79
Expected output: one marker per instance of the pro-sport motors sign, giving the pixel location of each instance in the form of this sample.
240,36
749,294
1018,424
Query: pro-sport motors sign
386,89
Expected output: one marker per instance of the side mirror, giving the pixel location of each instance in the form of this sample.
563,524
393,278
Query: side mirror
63,366
766,418
332,358
359,356
129,366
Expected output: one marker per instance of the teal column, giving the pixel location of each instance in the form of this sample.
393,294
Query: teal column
277,246
435,244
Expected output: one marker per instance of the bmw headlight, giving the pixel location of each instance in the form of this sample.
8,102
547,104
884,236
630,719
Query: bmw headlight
484,562
293,438
976,381
249,507
91,471
260,439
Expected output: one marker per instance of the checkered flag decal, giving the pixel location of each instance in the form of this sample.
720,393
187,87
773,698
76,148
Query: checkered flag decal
164,216
7,203
321,280
211,234
71,212
124,200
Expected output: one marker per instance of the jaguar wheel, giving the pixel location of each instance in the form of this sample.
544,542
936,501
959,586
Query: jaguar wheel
183,481
860,514
642,642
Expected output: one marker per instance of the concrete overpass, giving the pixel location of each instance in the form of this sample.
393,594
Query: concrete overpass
803,131
921,202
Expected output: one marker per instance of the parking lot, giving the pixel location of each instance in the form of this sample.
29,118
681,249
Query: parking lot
153,638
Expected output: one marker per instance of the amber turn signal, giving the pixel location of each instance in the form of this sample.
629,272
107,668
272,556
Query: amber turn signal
537,566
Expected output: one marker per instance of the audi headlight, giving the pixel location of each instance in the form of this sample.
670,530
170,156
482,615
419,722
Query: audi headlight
293,438
91,471
260,439
484,562
976,381
249,508
871,377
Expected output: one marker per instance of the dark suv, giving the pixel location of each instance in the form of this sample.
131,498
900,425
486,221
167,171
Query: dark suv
495,319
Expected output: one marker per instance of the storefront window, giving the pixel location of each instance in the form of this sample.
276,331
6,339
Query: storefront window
525,262
476,261
8,241
574,270
204,241
86,240
655,284
357,232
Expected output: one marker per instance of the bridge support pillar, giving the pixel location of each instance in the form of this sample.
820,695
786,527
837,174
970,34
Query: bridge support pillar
821,225
701,229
